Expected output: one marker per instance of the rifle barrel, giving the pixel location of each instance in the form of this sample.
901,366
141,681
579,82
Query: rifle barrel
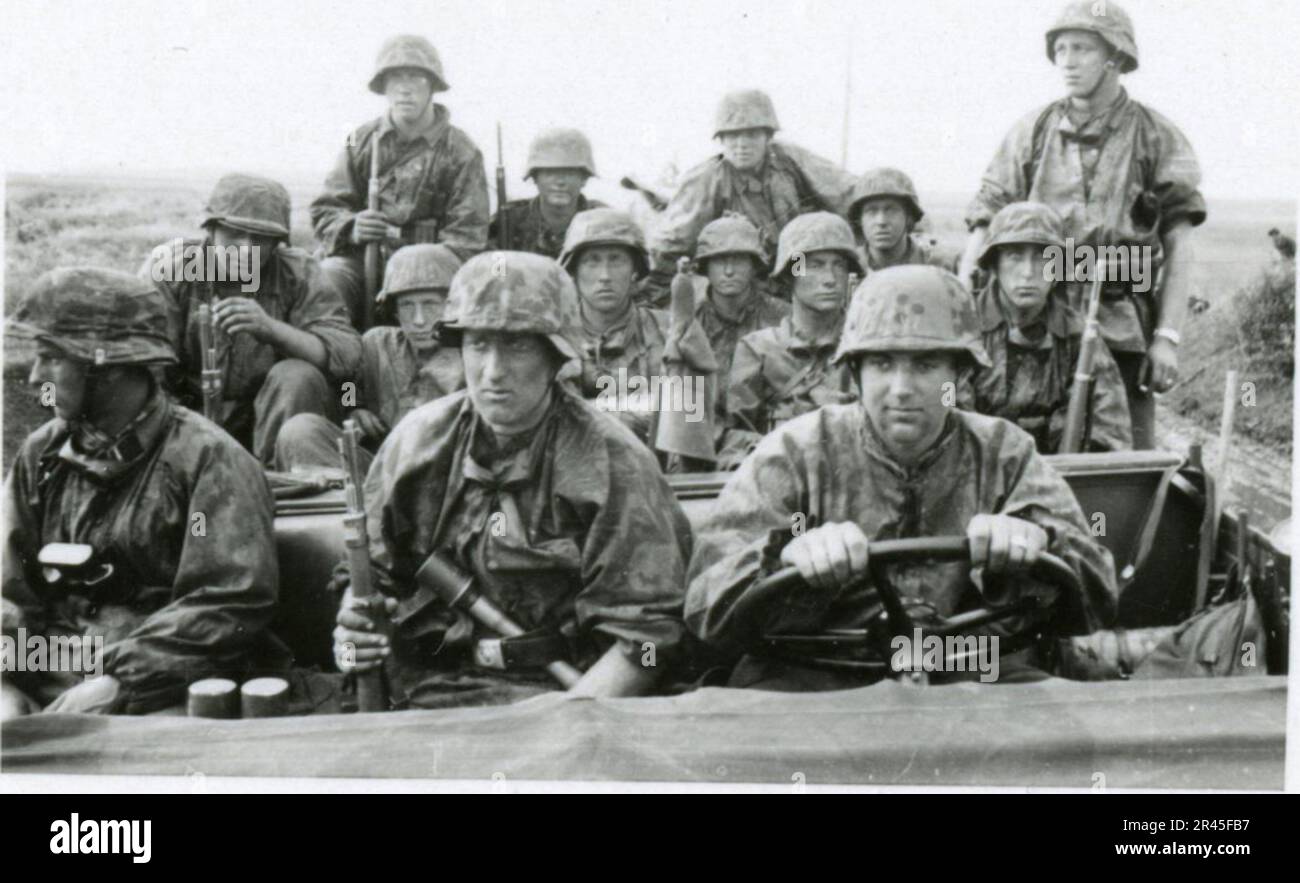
370,685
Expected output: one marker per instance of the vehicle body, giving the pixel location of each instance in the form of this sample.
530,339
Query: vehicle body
1198,733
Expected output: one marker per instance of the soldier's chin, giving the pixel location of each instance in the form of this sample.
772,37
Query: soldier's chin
560,199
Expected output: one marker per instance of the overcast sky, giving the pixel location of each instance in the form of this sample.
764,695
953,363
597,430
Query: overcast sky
136,85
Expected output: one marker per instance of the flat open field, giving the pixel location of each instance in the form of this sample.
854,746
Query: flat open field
114,222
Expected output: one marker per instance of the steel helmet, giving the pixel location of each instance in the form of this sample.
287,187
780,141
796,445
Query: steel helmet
408,50
911,308
1106,20
604,226
730,234
815,231
515,291
1022,223
249,203
418,268
878,183
747,109
97,317
560,149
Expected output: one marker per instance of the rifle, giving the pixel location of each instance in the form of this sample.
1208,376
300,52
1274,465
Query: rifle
1074,438
503,217
673,432
370,685
456,589
210,376
657,202
374,258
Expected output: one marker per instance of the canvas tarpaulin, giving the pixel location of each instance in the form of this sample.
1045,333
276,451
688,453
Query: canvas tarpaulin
1213,733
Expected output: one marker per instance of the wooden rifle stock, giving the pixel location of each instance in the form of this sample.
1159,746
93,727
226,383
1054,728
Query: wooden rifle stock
210,375
370,685
503,217
374,263
1074,438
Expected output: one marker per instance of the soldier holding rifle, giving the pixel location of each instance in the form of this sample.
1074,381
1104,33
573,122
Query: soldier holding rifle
518,492
559,162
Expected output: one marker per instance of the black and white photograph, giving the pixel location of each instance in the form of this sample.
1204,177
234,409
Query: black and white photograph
758,396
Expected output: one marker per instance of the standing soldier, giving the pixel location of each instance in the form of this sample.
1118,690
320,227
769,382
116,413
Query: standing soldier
884,211
1032,338
281,349
605,254
401,367
432,186
784,371
769,182
561,518
173,566
900,463
1121,176
559,162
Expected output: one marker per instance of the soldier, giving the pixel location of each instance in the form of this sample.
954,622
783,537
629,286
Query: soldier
282,348
899,463
560,515
1120,175
559,162
1031,336
781,372
769,182
155,497
605,254
433,188
884,213
401,367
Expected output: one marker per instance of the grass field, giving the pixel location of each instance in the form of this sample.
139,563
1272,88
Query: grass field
54,221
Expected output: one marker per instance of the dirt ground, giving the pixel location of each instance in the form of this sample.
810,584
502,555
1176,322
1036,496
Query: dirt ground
53,221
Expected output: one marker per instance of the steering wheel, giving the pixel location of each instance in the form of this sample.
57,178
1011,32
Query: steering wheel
899,621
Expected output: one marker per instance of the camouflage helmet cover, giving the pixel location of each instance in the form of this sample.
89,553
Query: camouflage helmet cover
515,291
912,308
1106,20
746,109
604,226
249,203
878,183
1023,223
730,234
418,268
815,231
96,316
408,50
560,149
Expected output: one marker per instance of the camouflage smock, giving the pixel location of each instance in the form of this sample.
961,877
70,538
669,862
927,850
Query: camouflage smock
919,251
528,231
290,291
598,549
778,374
831,467
394,381
433,187
1124,178
188,527
791,182
1030,385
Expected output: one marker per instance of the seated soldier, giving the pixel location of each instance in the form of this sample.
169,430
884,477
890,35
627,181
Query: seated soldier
1032,337
402,367
784,371
560,515
281,349
820,490
884,213
605,254
156,498
559,162
731,257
